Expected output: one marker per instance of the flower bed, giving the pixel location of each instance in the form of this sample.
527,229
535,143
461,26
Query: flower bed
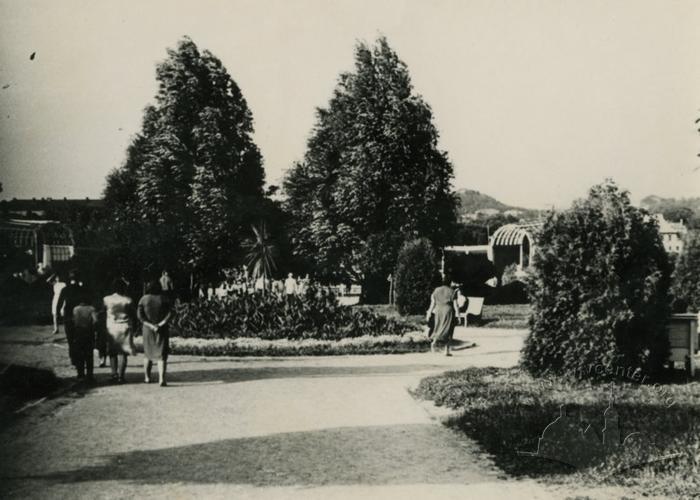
246,346
315,315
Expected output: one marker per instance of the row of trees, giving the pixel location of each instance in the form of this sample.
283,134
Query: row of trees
192,182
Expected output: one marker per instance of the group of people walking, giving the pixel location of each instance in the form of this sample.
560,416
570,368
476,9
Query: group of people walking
110,326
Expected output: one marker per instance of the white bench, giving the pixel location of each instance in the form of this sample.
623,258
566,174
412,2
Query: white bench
474,307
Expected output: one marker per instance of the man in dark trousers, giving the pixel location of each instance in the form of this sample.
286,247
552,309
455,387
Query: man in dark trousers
70,297
85,327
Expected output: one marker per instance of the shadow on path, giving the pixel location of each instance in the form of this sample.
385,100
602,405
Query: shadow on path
235,374
399,454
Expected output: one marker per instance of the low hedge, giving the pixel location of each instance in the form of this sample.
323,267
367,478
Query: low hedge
315,315
381,344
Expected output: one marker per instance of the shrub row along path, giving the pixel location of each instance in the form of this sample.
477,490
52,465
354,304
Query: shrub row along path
313,427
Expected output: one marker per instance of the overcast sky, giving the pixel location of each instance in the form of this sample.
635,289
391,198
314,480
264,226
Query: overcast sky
535,100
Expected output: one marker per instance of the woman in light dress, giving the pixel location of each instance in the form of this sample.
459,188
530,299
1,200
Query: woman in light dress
119,310
154,312
443,302
58,285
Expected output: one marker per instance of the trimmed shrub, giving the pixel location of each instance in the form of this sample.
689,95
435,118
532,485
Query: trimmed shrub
315,315
686,276
416,270
599,289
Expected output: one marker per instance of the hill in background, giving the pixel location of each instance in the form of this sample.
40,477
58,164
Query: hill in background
474,204
658,204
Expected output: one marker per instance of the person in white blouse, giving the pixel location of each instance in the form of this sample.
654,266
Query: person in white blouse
58,285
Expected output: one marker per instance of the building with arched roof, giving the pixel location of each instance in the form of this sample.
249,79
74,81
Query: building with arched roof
509,244
513,244
48,242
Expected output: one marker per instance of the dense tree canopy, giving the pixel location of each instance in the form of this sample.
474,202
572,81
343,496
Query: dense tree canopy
192,181
686,275
372,171
599,290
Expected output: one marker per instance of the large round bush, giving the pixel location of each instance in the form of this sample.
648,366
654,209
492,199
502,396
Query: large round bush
416,268
599,291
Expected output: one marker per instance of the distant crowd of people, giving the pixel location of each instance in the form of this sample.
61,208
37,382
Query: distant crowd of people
109,325
240,282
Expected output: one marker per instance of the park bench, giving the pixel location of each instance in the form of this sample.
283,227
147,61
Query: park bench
474,307
683,340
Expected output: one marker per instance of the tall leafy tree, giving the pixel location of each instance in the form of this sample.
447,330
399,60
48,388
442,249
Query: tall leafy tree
193,178
372,171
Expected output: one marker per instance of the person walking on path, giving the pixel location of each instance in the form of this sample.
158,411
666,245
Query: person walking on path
119,309
68,299
443,303
85,326
58,285
154,311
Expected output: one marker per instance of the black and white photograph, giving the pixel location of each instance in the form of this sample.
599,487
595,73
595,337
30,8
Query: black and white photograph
344,249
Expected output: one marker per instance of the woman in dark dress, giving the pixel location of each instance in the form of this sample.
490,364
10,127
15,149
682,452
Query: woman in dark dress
154,311
443,303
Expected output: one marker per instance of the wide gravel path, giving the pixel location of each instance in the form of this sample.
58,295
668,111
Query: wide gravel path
313,427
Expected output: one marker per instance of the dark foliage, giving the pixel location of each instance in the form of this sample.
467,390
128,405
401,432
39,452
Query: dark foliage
471,272
514,292
372,173
599,289
416,270
192,181
316,314
686,276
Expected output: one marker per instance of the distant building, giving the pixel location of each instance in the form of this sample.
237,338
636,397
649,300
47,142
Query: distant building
513,213
513,244
672,234
487,212
48,242
509,244
43,207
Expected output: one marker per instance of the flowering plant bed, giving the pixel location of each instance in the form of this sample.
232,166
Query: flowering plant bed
314,315
246,346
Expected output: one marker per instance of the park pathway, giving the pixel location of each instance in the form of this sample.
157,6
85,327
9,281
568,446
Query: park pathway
316,427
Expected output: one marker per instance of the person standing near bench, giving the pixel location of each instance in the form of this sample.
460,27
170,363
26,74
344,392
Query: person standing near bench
443,302
154,311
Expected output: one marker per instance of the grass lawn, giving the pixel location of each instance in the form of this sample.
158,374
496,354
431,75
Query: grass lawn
506,411
504,316
493,316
